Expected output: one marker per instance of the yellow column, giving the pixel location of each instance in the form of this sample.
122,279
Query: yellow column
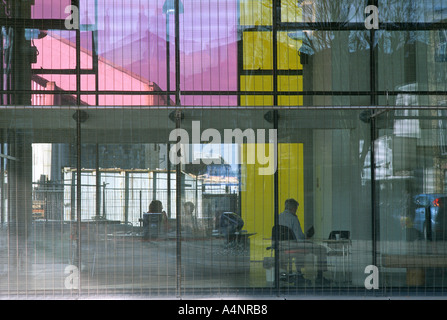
257,193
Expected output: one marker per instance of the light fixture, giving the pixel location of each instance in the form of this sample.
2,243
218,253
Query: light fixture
269,116
174,114
81,114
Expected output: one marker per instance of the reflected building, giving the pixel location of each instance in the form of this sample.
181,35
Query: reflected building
97,122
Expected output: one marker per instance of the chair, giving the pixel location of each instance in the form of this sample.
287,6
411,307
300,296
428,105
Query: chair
309,258
285,237
284,233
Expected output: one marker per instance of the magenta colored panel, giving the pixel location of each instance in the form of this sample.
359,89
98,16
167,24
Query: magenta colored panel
50,9
132,37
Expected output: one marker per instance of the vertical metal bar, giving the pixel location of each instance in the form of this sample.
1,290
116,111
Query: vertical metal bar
168,177
168,103
78,57
78,146
95,60
374,217
275,12
8,73
373,101
126,197
178,186
2,180
141,205
2,72
372,61
20,172
168,62
98,184
104,213
177,53
72,197
95,52
78,193
240,68
154,185
178,172
276,206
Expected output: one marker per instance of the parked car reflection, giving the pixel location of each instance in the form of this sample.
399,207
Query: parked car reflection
429,215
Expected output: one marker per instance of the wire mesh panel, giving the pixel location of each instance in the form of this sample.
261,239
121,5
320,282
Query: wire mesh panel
151,147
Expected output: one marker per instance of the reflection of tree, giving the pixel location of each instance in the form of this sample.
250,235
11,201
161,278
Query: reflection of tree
397,11
402,10
344,12
325,13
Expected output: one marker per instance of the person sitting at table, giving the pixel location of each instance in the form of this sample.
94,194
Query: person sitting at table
288,218
157,207
189,221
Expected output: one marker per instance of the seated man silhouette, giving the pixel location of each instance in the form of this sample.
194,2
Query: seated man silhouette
299,247
288,218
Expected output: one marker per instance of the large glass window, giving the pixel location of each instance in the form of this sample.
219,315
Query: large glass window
154,147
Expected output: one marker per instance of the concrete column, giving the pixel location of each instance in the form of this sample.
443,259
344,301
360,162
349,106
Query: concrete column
19,143
19,194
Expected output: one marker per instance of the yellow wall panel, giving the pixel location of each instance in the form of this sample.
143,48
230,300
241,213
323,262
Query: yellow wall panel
257,46
256,83
291,11
259,12
257,191
265,83
290,84
256,101
288,52
256,209
256,12
257,194
291,176
290,100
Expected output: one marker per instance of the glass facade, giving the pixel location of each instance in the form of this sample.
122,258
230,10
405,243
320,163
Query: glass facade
222,111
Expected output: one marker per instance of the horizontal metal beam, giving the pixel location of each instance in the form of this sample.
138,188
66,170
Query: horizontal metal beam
59,24
62,71
234,92
347,26
42,24
219,108
5,156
